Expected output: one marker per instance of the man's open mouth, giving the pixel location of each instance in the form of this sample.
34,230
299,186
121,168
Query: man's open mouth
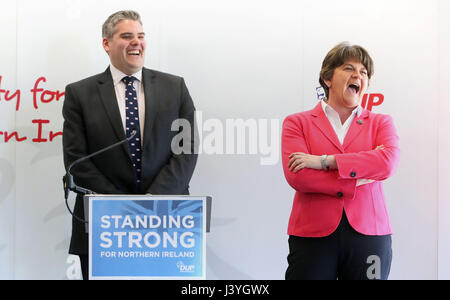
134,52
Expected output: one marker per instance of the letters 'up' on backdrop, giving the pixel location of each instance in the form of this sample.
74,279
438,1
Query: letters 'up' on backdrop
242,60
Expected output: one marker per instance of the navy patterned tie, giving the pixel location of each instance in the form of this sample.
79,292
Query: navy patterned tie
132,123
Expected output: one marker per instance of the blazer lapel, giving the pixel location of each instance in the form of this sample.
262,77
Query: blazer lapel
108,97
358,124
322,122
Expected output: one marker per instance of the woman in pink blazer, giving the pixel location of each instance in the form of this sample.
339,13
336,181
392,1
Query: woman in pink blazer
336,157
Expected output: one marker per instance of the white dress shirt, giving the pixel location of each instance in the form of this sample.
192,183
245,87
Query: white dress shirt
119,87
340,129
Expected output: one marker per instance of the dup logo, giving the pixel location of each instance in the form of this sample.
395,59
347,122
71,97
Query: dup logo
185,268
369,101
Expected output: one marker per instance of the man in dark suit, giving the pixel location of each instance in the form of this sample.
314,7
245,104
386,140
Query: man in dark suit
104,109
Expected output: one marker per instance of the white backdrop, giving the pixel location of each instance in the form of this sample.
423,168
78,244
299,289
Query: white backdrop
253,60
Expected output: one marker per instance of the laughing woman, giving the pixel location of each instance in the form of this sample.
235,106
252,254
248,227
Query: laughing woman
336,157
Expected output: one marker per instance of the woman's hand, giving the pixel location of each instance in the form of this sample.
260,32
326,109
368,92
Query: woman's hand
362,181
299,160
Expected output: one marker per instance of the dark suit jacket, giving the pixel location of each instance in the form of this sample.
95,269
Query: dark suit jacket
92,121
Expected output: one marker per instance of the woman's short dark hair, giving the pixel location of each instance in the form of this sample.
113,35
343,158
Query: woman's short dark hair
338,56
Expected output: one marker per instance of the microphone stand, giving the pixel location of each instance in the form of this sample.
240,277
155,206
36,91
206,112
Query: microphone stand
69,184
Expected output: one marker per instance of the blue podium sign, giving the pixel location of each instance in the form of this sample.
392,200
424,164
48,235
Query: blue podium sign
147,237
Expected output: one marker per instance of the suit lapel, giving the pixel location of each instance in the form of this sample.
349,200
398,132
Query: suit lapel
108,97
151,104
322,122
358,124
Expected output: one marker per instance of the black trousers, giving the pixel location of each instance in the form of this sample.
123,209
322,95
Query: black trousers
344,255
84,262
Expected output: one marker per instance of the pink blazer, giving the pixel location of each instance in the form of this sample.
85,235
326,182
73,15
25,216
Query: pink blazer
320,195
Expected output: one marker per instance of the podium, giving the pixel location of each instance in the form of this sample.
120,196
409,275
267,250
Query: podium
147,237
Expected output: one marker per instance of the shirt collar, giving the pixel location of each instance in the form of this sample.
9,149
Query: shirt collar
118,75
326,109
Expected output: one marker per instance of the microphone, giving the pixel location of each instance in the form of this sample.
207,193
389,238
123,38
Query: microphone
68,182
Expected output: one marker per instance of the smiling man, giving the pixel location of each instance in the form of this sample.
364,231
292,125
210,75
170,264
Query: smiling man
125,45
127,98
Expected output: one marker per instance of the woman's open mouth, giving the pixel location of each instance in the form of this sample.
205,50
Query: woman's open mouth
354,88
